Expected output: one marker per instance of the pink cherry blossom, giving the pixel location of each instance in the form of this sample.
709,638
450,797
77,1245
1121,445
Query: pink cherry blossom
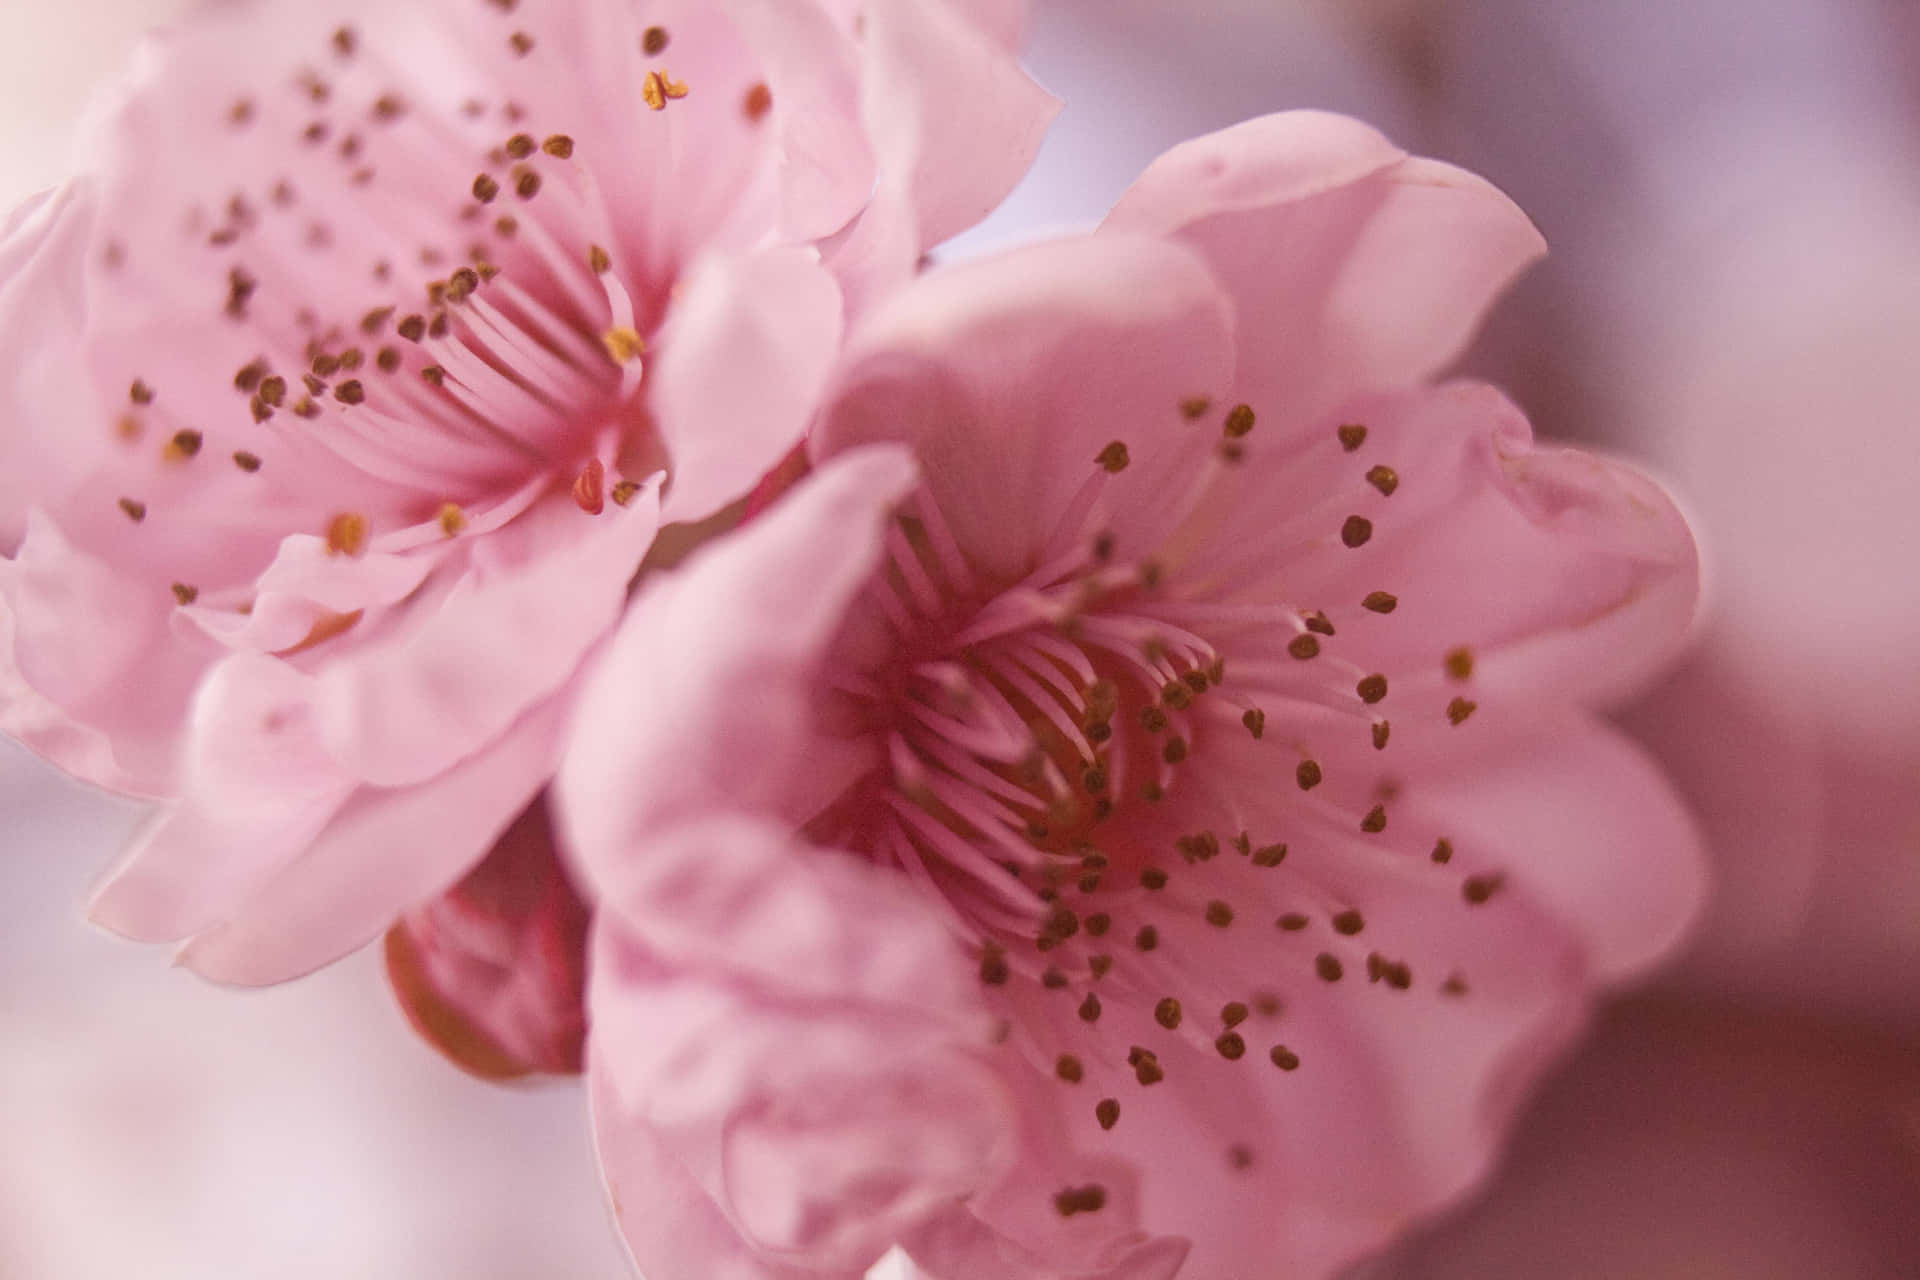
1131,811
349,382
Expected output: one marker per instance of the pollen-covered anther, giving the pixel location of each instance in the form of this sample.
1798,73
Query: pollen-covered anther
1356,531
1089,1010
1375,820
135,510
1371,688
1146,1066
1307,774
558,145
485,188
1328,966
1292,922
1167,1013
1113,458
1069,1068
1255,721
599,261
1381,730
1107,1112
451,519
184,444
1459,663
1088,1199
247,462
1348,922
1478,889
1147,938
1284,1058
757,102
1270,855
1443,851
347,534
1219,914
521,43
1238,423
1352,435
1304,646
994,970
185,594
1397,974
659,88
140,393
1459,709
622,344
1317,622
1231,1045
589,487
1385,479
1380,602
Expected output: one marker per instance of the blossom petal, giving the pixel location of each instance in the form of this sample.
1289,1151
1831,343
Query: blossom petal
1354,266
536,596
777,313
383,852
661,730
799,1027
1009,377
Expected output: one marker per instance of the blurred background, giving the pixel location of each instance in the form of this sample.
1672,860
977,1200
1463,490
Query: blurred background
1732,192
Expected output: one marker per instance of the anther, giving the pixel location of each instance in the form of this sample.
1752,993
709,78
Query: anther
993,967
1233,1013
1381,728
1317,622
140,393
1194,408
1068,1068
1284,1058
247,462
1090,1008
1348,922
1113,458
1356,531
136,511
1371,688
1097,924
1147,939
1099,964
349,392
1459,663
1352,436
1307,774
1304,646
1231,1045
185,444
1167,1013
1375,821
588,487
1477,889
521,43
273,390
451,519
623,492
1088,1199
185,594
558,145
1327,965
1153,878
1384,479
1146,1066
1255,720
1270,855
1455,985
1292,922
1380,602
1239,422
622,344
347,534
599,261
1107,1112
757,102
653,41
1174,751
1443,851
1053,979
1219,914
1459,709
526,184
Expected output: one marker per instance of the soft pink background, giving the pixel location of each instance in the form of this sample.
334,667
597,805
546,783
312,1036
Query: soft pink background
1732,192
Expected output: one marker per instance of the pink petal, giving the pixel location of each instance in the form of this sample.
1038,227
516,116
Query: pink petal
535,598
1010,376
89,674
765,602
1353,266
383,852
777,313
801,1030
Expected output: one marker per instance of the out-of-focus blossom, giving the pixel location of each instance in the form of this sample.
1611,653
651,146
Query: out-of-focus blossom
1148,819
348,385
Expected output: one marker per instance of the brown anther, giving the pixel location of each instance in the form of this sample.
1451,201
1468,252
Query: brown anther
521,43
1069,1068
304,407
388,107
1231,1045
1327,965
1174,751
350,392
589,487
461,284
1153,878
1304,646
1459,663
1356,531
1088,884
1352,436
1113,458
1284,1058
757,102
1293,921
599,261
247,378
325,365
1239,422
1146,1066
1097,924
1167,1013
388,359
1098,731
1307,774
1053,979
1195,407
247,462
260,409
350,359
185,594
1459,709
1107,1112
526,184
1233,1013
140,393
1231,452
622,344
1477,889
993,967
345,41
1153,719
1317,622
1349,922
241,112
1371,688
1147,939
451,519
1088,1199
315,133
128,427
273,390
1255,721
1381,728
1176,695
558,145
1240,1156
658,88
1094,780
1219,914
623,492
506,226
185,444
1270,855
347,534
1385,479
1375,821
413,328
1090,1008
1443,851
653,41
439,326
136,511
1098,964
1195,680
